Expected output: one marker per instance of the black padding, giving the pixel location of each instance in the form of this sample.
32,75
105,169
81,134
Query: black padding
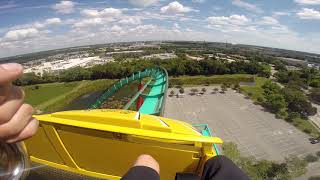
186,176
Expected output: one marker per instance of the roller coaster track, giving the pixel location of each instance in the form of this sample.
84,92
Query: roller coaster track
154,101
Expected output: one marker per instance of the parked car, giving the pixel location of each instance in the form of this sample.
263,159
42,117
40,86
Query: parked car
314,140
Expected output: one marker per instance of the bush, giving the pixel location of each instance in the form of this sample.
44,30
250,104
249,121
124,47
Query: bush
282,114
181,90
250,94
293,115
260,99
311,158
318,153
307,131
314,178
178,87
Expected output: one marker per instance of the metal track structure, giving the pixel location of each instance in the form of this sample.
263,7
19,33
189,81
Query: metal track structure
154,101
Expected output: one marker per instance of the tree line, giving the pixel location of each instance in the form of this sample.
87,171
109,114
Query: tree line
175,67
288,102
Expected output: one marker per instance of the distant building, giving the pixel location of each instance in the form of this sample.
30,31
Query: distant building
196,58
292,61
122,52
162,56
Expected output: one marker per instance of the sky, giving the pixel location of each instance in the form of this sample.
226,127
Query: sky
32,25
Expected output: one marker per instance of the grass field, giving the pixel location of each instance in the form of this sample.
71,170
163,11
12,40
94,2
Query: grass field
256,91
55,96
37,94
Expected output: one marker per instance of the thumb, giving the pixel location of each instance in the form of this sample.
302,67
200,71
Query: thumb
10,72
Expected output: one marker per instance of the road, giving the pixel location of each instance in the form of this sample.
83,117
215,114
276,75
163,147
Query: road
234,118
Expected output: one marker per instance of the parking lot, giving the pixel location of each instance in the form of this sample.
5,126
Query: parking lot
234,118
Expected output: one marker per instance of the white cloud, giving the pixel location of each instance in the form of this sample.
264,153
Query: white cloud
95,17
90,12
268,20
175,8
21,34
53,21
307,13
231,20
308,2
64,7
110,12
247,6
143,3
280,13
116,29
145,28
199,1
130,20
107,12
88,22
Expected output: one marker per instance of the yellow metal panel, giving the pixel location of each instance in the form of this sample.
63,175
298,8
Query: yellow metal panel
59,146
74,170
105,143
39,146
115,156
106,121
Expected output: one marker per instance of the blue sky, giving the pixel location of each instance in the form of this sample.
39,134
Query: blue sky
31,25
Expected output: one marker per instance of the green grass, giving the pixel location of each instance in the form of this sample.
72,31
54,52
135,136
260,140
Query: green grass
55,96
256,90
45,92
306,126
216,79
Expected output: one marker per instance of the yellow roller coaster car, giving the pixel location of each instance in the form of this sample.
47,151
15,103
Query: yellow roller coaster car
105,143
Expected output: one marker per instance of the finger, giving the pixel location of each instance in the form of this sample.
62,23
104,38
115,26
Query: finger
10,72
11,105
4,92
18,122
27,132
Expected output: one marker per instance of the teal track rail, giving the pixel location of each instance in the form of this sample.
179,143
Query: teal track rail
153,102
205,131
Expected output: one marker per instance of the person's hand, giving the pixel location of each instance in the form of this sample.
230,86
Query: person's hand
16,122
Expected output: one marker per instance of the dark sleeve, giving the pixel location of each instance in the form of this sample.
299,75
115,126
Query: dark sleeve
141,173
222,168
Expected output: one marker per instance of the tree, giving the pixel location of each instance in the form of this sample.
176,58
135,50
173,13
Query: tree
203,90
315,95
271,88
194,91
311,158
296,166
172,93
298,102
223,88
216,90
236,86
275,102
181,90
